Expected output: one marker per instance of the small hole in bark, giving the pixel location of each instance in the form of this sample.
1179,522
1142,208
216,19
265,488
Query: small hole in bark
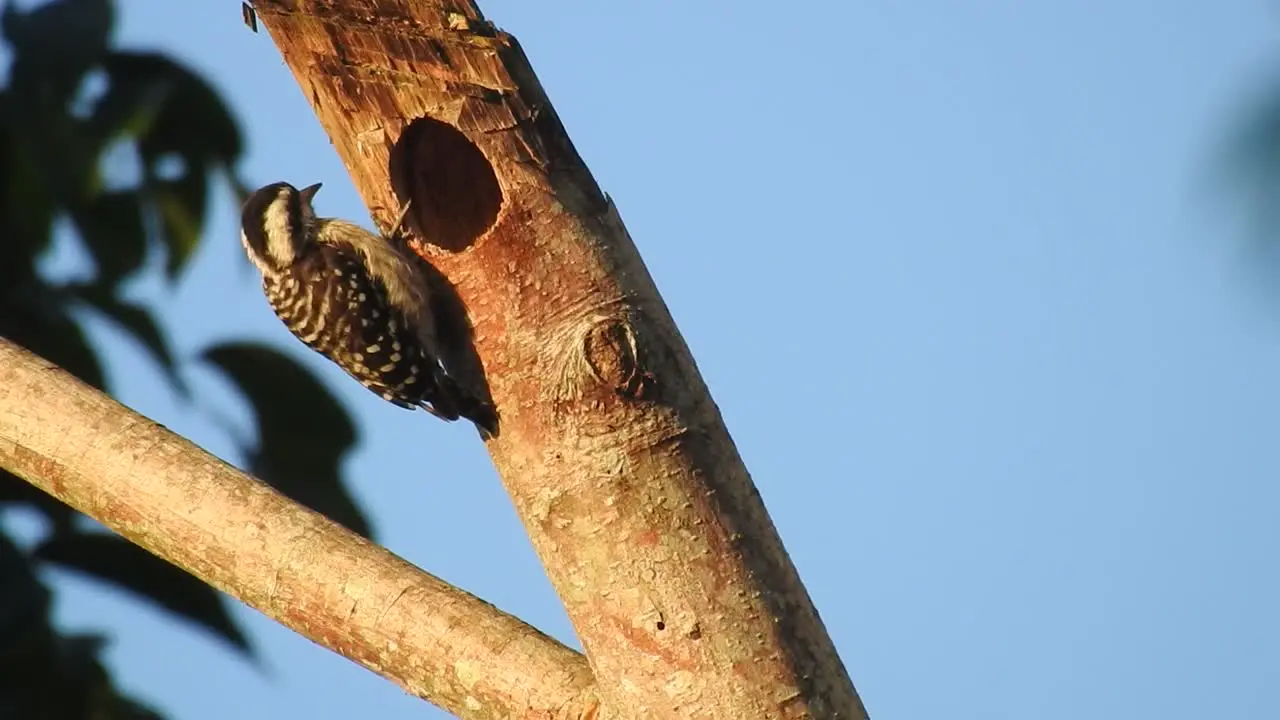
454,190
662,625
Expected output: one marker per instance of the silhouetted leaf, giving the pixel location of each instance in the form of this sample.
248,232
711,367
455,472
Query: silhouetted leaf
30,318
16,491
53,152
1254,148
54,45
303,431
24,604
184,131
125,708
134,98
110,224
44,674
181,207
193,121
134,319
111,558
53,134
1248,168
86,689
26,208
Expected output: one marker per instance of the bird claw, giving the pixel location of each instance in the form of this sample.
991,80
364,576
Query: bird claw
398,227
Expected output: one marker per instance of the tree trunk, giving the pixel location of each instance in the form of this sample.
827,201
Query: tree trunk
610,446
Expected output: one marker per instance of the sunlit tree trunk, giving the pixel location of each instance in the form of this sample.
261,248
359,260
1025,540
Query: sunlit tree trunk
610,446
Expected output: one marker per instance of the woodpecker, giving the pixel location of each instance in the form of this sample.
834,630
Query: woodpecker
357,298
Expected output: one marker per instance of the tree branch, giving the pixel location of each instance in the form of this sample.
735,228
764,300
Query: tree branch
294,565
610,446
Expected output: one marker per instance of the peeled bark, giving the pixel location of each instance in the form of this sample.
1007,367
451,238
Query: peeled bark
294,565
610,445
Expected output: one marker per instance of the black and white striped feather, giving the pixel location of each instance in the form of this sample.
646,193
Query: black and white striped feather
354,297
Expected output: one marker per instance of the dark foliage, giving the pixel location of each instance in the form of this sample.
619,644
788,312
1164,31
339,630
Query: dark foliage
68,98
1247,172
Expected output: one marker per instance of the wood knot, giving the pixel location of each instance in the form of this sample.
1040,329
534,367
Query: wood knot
604,352
610,350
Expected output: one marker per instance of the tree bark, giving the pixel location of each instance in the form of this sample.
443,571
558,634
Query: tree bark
294,565
610,445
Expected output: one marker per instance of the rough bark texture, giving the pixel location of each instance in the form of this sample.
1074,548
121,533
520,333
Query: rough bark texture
330,585
610,445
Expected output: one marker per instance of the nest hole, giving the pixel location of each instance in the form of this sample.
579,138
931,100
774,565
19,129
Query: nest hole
455,193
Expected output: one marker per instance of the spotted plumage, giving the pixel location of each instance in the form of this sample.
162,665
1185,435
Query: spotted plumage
354,297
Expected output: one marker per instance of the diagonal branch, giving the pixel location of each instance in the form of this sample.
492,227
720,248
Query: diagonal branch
294,565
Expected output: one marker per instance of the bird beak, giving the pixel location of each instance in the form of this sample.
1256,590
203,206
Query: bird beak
309,192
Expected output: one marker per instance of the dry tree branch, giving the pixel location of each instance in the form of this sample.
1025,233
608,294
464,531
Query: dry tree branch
294,565
610,445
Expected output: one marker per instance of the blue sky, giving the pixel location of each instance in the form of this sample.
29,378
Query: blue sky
963,285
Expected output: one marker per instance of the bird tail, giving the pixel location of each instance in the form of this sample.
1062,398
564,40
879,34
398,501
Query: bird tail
450,402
